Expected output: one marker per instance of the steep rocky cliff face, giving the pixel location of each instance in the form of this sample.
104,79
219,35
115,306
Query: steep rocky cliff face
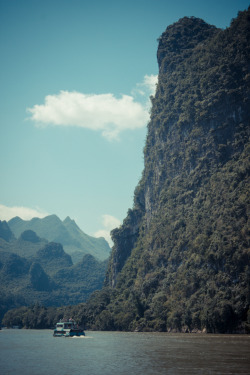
180,260
200,113
181,257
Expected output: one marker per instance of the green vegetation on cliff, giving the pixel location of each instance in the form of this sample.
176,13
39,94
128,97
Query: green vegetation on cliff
180,260
188,265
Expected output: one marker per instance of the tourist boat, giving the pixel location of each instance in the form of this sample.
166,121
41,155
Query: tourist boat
68,328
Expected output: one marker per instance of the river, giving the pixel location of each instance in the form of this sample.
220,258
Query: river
34,352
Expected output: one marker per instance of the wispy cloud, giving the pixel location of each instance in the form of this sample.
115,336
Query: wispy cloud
109,222
104,112
147,87
25,213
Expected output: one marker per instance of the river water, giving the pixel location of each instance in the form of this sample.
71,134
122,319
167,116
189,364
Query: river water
33,352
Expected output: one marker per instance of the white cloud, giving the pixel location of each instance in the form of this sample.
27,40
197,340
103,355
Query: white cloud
147,87
103,112
25,213
151,82
109,222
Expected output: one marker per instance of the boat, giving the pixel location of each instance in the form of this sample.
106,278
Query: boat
68,328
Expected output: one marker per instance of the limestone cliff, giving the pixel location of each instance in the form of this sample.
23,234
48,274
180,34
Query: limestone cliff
185,243
201,105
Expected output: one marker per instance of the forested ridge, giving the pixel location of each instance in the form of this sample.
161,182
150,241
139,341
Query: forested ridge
180,260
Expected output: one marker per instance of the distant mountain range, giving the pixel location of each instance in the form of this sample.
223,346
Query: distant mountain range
33,270
75,242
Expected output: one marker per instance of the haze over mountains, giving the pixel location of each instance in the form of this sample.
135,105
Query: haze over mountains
34,270
75,242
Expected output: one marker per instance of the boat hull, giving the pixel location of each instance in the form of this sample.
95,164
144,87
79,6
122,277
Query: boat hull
68,329
68,334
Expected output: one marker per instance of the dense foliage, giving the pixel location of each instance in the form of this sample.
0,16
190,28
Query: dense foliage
188,266
180,260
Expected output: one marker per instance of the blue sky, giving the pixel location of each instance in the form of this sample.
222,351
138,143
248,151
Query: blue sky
76,76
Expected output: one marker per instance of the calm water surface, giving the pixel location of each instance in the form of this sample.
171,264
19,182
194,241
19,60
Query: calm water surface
34,352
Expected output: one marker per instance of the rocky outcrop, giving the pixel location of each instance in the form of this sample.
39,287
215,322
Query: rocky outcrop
30,236
53,257
183,250
39,280
5,232
124,241
199,120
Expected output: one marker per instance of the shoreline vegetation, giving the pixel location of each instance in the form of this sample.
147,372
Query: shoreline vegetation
41,317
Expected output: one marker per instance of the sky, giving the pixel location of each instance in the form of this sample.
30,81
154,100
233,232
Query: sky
76,77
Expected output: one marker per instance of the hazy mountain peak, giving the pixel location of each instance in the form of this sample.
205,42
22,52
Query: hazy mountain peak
5,232
68,220
74,240
15,220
